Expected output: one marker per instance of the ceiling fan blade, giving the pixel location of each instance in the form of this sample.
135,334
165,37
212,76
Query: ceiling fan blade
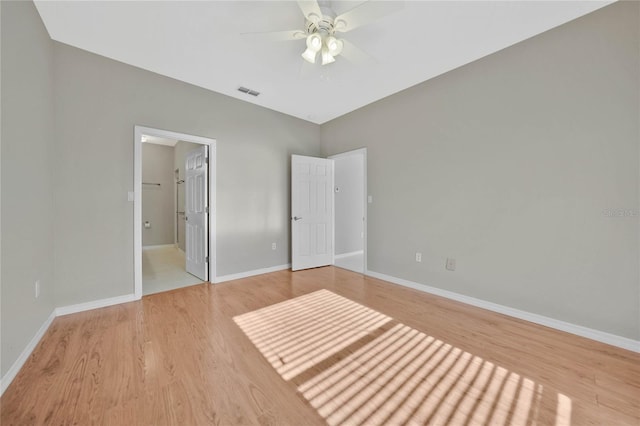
276,35
356,55
365,13
310,10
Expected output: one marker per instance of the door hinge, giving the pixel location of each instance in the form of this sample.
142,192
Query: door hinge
206,259
206,160
206,209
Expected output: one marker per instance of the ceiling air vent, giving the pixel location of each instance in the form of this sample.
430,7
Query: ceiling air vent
248,91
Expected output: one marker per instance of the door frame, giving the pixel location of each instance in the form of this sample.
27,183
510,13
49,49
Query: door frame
137,198
363,152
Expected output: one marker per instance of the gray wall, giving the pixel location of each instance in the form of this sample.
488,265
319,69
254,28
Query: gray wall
27,189
508,165
349,207
181,149
105,99
158,202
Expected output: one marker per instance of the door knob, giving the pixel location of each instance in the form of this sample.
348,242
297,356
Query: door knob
296,218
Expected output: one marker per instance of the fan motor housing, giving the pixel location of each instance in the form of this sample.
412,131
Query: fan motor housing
324,26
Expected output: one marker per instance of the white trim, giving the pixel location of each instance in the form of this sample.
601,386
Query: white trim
333,213
213,208
353,253
137,202
95,304
157,246
600,336
363,152
24,356
137,211
246,274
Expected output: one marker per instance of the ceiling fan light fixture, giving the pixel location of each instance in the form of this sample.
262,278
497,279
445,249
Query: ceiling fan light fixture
327,58
310,56
314,42
334,46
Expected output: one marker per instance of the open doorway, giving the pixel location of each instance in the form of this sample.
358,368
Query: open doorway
174,216
350,209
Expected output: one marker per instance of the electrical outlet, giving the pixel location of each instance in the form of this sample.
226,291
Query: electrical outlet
451,264
418,257
274,246
37,288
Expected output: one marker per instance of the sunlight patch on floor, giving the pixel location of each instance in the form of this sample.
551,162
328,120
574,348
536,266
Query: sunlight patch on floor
299,333
406,376
399,376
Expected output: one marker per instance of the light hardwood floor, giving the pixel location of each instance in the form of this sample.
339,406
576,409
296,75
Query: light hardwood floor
339,348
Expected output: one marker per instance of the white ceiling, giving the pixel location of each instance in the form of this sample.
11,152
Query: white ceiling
202,43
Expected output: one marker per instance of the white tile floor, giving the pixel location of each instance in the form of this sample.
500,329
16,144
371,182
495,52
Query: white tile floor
353,263
163,268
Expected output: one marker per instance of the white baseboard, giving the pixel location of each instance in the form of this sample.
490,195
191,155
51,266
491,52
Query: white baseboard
343,255
157,246
240,275
95,304
600,336
24,356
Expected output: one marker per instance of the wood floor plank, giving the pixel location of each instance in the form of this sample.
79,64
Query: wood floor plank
180,358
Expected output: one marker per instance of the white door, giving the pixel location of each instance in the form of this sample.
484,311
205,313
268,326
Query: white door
196,212
311,212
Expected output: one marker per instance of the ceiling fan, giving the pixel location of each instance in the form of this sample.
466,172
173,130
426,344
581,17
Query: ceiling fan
323,27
